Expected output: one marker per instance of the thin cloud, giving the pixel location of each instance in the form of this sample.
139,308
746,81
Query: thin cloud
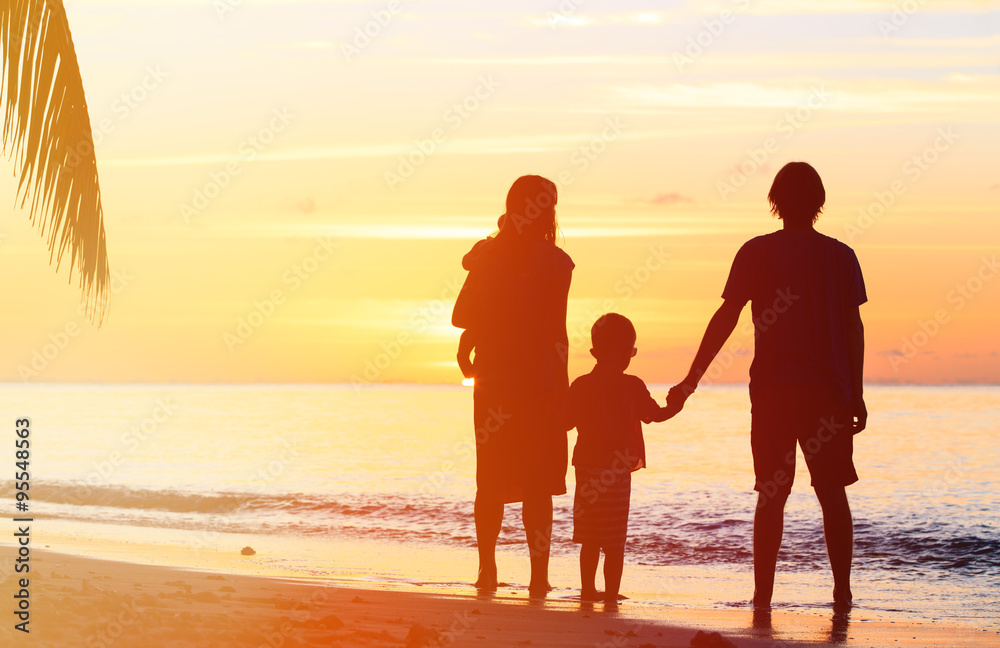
670,199
862,96
305,205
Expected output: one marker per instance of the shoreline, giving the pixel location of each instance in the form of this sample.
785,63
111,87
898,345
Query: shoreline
93,602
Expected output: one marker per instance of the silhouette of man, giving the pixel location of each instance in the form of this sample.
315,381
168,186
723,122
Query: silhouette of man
806,377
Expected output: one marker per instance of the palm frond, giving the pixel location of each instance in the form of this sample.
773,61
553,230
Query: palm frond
46,133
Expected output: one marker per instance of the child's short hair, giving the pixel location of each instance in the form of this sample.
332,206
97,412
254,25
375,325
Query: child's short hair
612,331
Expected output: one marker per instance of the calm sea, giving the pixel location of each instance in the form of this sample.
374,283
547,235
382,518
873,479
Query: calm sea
329,480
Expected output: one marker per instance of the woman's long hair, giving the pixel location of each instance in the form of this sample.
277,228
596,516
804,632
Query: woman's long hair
531,211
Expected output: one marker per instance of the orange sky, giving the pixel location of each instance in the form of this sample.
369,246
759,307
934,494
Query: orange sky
288,199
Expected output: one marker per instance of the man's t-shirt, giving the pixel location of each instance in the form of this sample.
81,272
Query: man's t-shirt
608,408
801,286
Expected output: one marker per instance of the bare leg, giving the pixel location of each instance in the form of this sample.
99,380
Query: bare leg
838,528
768,524
614,562
537,518
489,518
590,555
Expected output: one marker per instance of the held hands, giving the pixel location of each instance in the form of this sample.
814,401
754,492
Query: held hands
677,396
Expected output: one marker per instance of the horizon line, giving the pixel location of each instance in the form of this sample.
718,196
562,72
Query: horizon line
352,385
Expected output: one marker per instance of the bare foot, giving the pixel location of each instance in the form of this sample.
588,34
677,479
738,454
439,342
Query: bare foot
591,595
761,602
539,591
762,619
486,582
842,600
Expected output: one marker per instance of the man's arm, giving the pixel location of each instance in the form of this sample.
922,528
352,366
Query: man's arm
720,327
856,358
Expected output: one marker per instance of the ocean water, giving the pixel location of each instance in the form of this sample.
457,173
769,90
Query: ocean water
330,480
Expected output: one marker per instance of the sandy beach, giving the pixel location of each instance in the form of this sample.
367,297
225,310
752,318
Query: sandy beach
78,602
408,295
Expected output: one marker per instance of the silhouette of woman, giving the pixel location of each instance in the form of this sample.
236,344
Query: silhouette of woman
513,307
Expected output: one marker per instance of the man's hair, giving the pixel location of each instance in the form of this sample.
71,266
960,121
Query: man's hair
797,193
612,331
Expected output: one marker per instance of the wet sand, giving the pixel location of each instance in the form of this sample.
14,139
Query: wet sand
79,602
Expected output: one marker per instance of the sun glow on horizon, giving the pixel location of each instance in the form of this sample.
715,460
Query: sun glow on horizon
329,249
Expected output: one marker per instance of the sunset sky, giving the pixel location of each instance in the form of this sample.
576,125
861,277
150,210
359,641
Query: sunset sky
289,187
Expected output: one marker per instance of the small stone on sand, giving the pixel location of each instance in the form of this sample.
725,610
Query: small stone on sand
420,636
331,622
711,640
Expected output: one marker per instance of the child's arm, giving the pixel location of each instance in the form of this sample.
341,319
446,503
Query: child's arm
650,411
567,421
567,409
661,414
466,343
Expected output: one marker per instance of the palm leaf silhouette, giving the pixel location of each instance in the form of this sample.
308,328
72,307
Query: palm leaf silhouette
46,133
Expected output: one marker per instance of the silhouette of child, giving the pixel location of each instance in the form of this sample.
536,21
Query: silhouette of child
607,407
467,341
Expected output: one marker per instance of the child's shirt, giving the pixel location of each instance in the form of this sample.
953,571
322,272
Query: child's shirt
608,408
472,257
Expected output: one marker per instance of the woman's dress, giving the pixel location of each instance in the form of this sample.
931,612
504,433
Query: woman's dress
514,303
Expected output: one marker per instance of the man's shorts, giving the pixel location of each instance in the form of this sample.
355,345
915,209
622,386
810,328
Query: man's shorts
809,414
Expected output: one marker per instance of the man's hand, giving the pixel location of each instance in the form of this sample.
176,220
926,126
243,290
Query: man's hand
859,414
676,398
